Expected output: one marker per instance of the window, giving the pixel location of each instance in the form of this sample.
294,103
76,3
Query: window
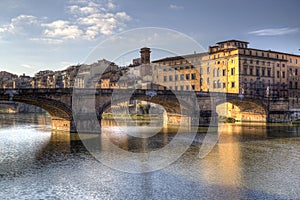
278,74
245,70
224,85
193,76
187,67
201,71
181,77
176,77
232,71
219,84
215,84
224,72
176,88
296,61
257,62
269,72
283,65
290,85
296,72
187,87
291,60
256,53
193,87
207,80
215,73
181,68
218,72
262,54
232,61
165,78
263,72
208,70
251,71
296,85
187,76
170,78
232,84
250,53
181,87
257,71
283,74
251,61
278,65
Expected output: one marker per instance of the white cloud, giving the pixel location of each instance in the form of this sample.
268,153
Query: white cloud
96,19
86,20
27,66
275,31
47,40
62,29
175,7
18,24
111,5
105,24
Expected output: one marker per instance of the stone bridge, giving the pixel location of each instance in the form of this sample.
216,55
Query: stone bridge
58,102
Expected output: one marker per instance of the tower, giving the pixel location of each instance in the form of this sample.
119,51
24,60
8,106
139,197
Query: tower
145,55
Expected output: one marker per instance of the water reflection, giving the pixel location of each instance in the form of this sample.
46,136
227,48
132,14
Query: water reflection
251,161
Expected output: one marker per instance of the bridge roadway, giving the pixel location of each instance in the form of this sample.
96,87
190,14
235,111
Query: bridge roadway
59,102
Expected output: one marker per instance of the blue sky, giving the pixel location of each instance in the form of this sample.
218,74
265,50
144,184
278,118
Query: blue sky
41,34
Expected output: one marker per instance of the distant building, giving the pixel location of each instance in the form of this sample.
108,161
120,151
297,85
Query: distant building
22,81
7,79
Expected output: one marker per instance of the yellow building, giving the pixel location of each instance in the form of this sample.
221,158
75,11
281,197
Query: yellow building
232,67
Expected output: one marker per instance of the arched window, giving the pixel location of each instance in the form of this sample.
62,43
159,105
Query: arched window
215,84
219,84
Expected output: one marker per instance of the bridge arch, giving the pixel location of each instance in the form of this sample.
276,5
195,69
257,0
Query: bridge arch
175,110
243,109
60,112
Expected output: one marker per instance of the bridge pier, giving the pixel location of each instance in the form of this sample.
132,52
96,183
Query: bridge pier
208,117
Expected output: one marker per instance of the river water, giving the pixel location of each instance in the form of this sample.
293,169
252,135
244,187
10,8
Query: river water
250,161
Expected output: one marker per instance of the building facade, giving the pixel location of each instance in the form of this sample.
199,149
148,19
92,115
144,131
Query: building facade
232,67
